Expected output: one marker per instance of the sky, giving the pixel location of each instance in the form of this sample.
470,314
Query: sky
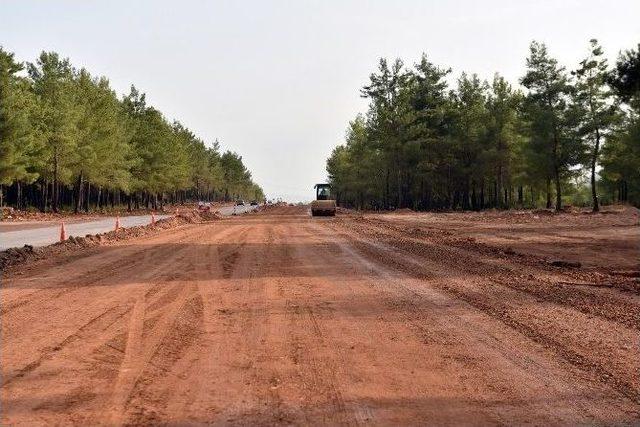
278,81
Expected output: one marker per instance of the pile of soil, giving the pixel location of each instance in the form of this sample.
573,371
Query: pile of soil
403,211
346,211
281,208
14,256
9,214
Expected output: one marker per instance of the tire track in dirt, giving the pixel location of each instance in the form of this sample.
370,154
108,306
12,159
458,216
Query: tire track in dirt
316,378
410,262
332,373
400,306
94,326
190,392
156,343
149,394
501,312
259,401
279,320
86,333
536,278
106,349
120,261
420,316
145,403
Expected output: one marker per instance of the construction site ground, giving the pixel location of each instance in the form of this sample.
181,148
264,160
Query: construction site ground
384,319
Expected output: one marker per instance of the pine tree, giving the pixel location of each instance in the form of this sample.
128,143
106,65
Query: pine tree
18,143
547,100
469,135
503,134
595,106
53,85
621,153
102,149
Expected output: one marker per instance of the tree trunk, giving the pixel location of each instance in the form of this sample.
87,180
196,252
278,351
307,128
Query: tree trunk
549,204
78,193
88,197
44,186
18,195
465,195
594,161
558,190
556,170
386,194
54,199
520,196
533,200
474,200
499,186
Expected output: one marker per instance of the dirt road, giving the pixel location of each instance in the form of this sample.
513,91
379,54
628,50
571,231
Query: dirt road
279,318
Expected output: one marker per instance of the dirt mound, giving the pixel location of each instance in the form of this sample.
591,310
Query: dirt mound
284,209
211,216
9,214
15,256
346,211
548,212
404,211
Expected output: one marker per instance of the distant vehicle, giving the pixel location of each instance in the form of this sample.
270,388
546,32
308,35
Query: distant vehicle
254,203
240,202
325,204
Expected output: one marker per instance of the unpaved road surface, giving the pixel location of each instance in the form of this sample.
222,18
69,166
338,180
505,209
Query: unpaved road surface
278,318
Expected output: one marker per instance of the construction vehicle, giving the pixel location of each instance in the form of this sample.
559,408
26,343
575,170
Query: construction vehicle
324,204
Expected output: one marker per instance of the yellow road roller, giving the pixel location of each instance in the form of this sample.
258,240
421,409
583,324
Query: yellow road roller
324,204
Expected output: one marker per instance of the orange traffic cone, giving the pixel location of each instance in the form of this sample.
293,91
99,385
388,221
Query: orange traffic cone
153,218
63,232
117,222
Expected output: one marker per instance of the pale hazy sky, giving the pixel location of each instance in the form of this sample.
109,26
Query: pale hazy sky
278,81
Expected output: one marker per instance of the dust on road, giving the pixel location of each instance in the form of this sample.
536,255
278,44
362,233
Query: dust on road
280,318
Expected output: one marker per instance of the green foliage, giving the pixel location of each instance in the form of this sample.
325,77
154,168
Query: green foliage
53,85
625,79
62,129
596,110
424,146
547,106
102,153
18,143
621,153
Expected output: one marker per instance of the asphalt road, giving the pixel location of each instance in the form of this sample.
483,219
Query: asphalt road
49,233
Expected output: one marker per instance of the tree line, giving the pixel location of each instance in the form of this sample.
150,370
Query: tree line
67,140
562,136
